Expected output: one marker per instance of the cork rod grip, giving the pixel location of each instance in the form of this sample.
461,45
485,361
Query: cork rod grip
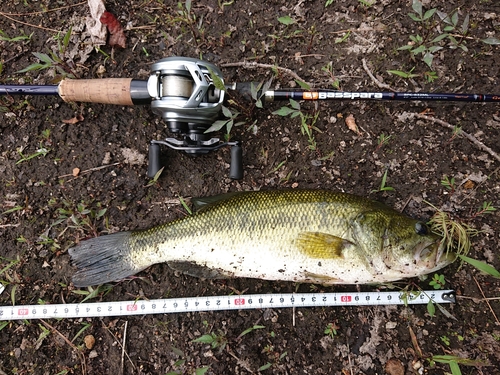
105,90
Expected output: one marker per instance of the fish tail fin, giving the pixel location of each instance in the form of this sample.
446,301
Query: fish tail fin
103,259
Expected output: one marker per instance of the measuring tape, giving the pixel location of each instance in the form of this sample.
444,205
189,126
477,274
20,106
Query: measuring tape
219,303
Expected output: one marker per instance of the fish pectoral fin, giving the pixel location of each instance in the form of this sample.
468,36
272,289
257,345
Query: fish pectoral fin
197,270
321,245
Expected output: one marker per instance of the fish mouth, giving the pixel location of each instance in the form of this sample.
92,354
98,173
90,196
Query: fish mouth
434,255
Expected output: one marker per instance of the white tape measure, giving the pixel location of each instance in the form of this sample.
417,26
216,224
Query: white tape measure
215,303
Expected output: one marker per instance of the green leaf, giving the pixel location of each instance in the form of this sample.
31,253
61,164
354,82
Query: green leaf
303,85
201,370
447,359
218,83
265,367
286,20
4,324
36,66
431,309
205,339
414,17
67,37
429,13
248,330
491,41
217,125
178,352
418,50
404,48
417,7
481,266
398,73
227,112
439,38
428,57
434,49
283,111
465,24
295,104
454,18
455,369
43,57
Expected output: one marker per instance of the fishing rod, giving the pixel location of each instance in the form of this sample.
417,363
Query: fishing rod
188,95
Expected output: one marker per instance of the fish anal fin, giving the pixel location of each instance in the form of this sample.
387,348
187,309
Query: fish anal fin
321,279
198,270
320,245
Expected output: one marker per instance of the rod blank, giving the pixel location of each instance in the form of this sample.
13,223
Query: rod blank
279,95
29,90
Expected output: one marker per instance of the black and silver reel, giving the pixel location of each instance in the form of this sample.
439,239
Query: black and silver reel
183,93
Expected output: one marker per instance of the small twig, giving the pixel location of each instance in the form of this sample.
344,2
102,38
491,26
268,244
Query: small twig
478,300
90,170
478,185
375,80
78,351
118,342
487,302
240,362
256,65
349,357
29,24
124,342
45,11
471,138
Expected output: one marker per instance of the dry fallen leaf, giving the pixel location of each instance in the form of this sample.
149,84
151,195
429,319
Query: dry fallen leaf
116,34
469,184
351,124
394,367
74,120
89,341
95,28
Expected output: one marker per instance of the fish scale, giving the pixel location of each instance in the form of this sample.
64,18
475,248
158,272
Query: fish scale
293,235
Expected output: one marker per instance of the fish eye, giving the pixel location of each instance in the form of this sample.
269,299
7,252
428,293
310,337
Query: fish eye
421,228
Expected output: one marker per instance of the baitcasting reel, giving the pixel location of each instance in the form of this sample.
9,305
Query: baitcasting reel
183,93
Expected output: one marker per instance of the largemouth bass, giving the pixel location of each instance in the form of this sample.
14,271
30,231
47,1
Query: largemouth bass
298,235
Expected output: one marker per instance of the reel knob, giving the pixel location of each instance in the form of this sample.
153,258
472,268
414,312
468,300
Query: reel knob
236,168
154,164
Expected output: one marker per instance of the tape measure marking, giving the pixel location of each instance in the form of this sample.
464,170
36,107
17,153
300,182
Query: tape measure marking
215,303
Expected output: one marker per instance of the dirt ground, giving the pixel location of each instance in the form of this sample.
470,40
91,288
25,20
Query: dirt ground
48,206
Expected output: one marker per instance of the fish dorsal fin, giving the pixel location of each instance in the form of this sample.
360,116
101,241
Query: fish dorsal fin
204,202
321,245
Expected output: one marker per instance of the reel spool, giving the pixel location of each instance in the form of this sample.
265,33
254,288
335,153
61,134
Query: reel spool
183,93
